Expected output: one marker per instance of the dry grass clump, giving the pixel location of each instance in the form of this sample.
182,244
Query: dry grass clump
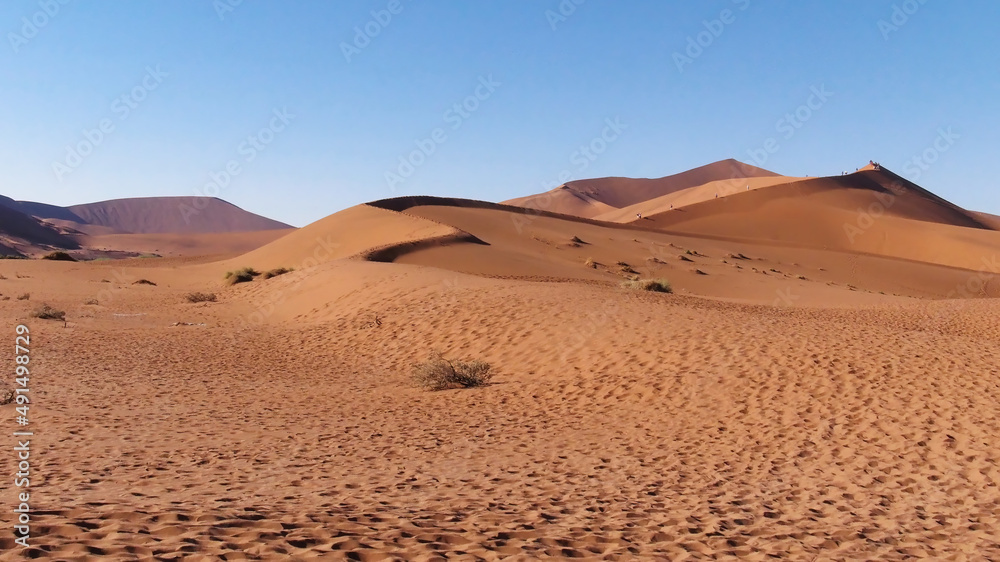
244,275
24,296
144,282
6,395
91,301
438,373
276,272
200,297
625,268
46,312
655,285
58,256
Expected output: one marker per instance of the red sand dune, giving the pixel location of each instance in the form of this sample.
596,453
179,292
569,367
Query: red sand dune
593,197
148,215
869,212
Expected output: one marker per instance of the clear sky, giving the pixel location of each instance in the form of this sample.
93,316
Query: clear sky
315,106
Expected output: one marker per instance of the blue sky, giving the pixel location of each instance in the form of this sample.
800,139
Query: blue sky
297,109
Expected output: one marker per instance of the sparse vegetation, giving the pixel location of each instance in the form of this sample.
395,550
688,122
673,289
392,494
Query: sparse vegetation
200,297
46,312
24,296
58,256
144,282
655,285
91,302
244,275
276,272
6,395
439,373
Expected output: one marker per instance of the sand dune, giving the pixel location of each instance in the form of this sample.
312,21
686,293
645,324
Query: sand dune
153,215
692,195
594,197
796,397
23,234
859,213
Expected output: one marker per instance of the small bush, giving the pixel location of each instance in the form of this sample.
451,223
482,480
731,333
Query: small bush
91,301
244,275
144,282
24,297
58,256
275,272
439,373
6,395
655,285
46,312
200,297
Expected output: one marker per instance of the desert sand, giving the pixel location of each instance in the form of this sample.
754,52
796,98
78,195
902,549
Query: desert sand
799,395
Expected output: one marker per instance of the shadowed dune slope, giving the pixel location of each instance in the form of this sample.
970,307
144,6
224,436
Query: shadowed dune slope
593,197
22,232
149,215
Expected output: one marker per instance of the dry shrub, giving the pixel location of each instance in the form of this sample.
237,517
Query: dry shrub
438,373
275,272
91,301
244,275
46,312
655,285
6,395
24,297
58,256
200,297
